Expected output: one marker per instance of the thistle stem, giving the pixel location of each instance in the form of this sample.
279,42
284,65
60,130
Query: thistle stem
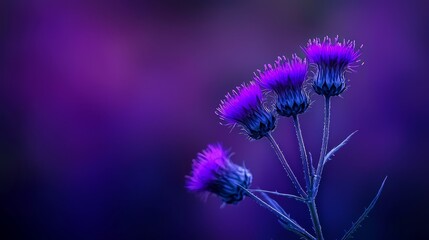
294,226
304,158
315,218
311,203
286,166
324,148
279,194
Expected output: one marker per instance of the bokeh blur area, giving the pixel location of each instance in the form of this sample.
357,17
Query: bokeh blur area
104,104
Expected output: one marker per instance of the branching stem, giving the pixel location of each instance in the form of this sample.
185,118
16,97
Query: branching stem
311,203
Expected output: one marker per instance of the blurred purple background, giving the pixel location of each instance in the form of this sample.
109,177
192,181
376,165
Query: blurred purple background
103,105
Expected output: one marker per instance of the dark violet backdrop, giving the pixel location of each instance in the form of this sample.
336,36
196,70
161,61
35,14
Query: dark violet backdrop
103,105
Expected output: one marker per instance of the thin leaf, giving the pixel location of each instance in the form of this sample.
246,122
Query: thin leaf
292,224
279,194
364,215
274,203
331,153
286,225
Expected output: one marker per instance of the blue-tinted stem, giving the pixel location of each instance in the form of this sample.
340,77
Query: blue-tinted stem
294,226
324,148
286,166
315,218
304,158
311,203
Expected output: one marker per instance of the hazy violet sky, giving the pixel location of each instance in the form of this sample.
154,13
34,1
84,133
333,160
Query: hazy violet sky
104,104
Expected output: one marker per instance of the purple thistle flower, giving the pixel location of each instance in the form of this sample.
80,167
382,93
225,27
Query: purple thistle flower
245,107
286,79
213,172
333,59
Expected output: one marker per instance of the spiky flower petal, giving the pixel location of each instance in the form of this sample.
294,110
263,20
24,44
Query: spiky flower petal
286,79
333,59
213,172
244,106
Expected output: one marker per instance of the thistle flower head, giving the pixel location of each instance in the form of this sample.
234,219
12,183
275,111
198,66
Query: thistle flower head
333,59
244,106
286,79
213,172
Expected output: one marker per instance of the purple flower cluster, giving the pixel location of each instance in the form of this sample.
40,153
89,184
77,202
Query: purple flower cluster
332,59
286,79
213,172
245,107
